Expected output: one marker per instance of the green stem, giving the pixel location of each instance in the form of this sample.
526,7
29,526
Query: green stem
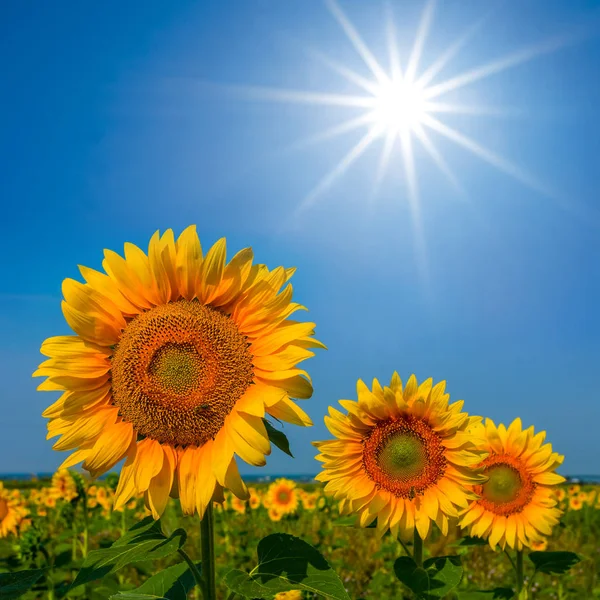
519,570
49,581
231,596
207,544
195,572
418,549
512,562
408,552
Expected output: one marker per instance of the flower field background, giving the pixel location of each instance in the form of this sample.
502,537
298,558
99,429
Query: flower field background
55,528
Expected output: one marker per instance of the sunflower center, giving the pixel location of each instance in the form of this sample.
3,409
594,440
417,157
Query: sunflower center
503,485
178,370
283,497
509,488
3,508
404,456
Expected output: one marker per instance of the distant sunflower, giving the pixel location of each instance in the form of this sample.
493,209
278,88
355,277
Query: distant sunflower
575,503
560,494
309,501
274,514
254,500
402,455
283,496
63,485
291,595
12,512
177,358
239,506
517,505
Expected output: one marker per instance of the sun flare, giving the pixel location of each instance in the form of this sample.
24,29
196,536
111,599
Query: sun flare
400,106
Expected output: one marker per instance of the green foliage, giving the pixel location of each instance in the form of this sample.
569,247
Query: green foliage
173,583
495,594
553,562
144,541
14,585
278,438
435,579
286,563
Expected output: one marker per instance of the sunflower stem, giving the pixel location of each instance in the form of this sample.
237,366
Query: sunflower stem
195,572
418,549
405,547
207,542
519,570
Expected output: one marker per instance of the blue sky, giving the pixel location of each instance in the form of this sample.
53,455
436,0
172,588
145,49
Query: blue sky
117,121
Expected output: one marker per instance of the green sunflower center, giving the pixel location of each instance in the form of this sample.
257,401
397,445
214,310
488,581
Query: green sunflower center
3,509
178,370
404,456
503,486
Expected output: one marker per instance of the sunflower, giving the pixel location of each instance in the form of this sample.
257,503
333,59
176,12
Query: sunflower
516,506
283,496
254,500
291,595
309,501
239,506
12,512
560,494
177,358
63,485
575,503
540,546
402,455
574,488
274,514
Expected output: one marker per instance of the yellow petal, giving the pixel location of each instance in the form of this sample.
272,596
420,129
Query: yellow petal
148,463
188,262
286,410
160,486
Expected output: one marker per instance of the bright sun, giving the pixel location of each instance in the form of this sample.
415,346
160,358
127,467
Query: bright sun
400,106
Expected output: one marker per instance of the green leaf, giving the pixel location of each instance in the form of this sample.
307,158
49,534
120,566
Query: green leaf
286,563
144,541
437,577
278,438
413,577
14,585
554,562
495,594
445,573
471,541
173,583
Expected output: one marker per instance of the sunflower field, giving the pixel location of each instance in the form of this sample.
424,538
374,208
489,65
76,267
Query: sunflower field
183,364
52,536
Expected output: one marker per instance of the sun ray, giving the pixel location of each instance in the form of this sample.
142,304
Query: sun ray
339,169
382,165
417,49
300,96
332,132
357,41
490,157
438,159
478,109
511,60
429,74
392,40
344,71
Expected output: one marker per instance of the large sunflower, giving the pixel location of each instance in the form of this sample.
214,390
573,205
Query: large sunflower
403,456
177,358
516,506
12,512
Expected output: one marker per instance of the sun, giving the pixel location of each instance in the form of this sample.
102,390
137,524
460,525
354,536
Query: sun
400,107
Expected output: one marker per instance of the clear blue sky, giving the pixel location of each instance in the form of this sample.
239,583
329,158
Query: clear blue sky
115,122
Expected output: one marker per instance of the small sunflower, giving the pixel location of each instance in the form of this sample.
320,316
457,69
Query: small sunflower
283,496
177,358
574,488
239,506
291,595
63,485
560,494
540,546
12,512
575,503
516,506
402,455
274,514
309,501
254,499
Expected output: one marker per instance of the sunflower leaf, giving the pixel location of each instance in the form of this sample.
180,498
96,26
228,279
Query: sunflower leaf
471,541
144,541
287,563
278,438
554,562
14,585
435,579
173,583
